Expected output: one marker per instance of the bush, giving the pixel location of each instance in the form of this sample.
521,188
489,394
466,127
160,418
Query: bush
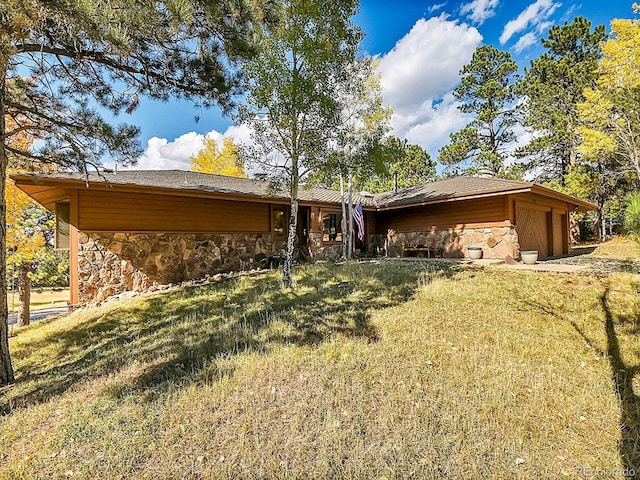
632,215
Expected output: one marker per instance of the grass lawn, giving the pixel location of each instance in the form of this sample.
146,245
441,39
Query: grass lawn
366,370
45,298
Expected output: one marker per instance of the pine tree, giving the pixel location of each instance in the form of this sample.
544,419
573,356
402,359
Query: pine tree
396,159
59,58
486,91
552,87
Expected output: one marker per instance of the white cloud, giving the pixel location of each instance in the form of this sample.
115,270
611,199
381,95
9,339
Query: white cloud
525,41
544,27
426,62
534,14
436,7
161,154
479,10
435,123
418,75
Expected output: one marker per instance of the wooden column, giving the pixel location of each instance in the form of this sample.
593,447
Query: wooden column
73,247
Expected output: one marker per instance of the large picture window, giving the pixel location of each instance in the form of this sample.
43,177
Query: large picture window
332,227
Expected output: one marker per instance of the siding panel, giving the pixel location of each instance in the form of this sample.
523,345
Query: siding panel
442,216
138,212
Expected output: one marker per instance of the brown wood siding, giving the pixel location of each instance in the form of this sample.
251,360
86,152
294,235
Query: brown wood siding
316,220
370,223
532,225
540,201
477,213
139,212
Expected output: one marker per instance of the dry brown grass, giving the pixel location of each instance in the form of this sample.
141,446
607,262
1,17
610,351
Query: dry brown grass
621,247
365,371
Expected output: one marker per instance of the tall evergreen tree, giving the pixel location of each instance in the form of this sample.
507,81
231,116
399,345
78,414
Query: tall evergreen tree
486,92
552,87
292,104
58,58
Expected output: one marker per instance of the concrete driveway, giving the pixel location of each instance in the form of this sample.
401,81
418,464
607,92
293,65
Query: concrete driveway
37,315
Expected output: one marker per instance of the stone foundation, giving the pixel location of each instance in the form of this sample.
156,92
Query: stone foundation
113,263
496,242
323,251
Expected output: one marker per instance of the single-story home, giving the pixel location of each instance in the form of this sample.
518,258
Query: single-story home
126,230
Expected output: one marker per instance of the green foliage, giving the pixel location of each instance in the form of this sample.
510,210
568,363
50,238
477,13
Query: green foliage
292,103
486,92
292,85
363,119
632,215
552,88
56,55
412,163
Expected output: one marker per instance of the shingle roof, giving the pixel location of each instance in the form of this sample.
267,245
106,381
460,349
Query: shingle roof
183,180
434,192
444,189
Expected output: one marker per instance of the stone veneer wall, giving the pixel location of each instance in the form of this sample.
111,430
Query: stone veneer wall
323,251
496,242
113,263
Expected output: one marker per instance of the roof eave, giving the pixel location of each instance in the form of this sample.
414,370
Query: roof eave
579,205
75,183
456,198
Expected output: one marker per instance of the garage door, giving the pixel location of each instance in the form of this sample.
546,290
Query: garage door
532,229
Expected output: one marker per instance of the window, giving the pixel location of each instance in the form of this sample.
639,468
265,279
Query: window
278,222
332,227
62,226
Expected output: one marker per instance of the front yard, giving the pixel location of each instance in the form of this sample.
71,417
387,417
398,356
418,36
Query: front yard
366,370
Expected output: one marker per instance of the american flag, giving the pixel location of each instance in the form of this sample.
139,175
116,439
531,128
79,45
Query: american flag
358,217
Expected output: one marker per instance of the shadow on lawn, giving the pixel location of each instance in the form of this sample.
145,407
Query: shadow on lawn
175,336
623,375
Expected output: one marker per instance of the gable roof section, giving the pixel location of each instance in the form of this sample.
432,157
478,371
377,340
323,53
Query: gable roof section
466,188
443,190
183,183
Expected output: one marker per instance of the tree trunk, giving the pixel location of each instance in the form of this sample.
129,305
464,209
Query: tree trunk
600,236
345,247
350,218
293,225
24,289
6,370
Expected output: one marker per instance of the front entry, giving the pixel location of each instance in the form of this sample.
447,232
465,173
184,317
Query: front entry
302,236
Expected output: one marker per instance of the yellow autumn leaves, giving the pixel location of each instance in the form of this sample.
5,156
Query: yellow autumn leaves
224,160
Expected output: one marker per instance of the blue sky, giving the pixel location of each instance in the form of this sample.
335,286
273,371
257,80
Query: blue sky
422,47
